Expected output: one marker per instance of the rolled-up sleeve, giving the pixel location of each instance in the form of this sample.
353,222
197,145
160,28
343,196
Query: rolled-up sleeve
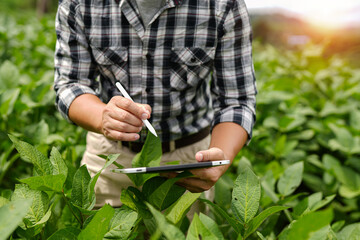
233,86
75,72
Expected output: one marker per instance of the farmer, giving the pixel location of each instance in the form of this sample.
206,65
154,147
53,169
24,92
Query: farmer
187,64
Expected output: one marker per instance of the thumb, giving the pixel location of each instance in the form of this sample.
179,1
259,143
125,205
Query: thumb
209,155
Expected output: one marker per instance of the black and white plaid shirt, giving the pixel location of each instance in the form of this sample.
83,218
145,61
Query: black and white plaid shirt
192,64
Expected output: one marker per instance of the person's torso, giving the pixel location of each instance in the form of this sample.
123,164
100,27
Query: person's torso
167,65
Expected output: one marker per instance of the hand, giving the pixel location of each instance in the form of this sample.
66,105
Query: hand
204,178
122,119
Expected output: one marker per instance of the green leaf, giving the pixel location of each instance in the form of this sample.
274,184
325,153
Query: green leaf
99,224
291,179
198,230
69,233
150,156
46,183
259,219
350,232
39,206
232,221
58,163
7,102
9,76
91,187
223,189
306,204
11,216
122,224
307,225
80,190
29,153
246,195
166,194
135,200
211,225
176,212
166,228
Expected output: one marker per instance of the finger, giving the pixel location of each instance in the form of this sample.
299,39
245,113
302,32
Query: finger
132,107
120,136
209,155
146,106
119,126
194,184
122,115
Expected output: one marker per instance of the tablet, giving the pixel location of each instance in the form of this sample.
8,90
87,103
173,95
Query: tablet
172,168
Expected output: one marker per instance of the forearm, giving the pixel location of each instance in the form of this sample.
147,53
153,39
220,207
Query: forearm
86,111
229,137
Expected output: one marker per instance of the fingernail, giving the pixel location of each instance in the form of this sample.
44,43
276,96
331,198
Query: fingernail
136,137
140,128
144,116
199,156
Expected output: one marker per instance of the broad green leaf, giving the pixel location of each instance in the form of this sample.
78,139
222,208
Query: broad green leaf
99,224
198,230
122,224
246,196
40,202
166,194
232,221
80,190
176,212
166,228
46,183
291,179
11,216
322,203
349,232
38,132
211,225
223,188
135,200
307,225
69,233
289,123
306,204
91,187
150,156
58,163
323,233
338,225
7,102
29,153
259,219
9,76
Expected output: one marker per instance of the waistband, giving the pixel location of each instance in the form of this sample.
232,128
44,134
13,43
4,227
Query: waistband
172,145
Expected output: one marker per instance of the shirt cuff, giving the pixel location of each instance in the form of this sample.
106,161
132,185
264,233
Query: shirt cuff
242,116
68,95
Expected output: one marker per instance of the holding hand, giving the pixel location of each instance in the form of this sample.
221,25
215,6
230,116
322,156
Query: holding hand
122,119
204,178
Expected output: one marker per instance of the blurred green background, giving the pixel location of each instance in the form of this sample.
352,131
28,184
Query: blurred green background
308,110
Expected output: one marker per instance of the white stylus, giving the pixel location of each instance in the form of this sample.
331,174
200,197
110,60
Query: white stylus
126,95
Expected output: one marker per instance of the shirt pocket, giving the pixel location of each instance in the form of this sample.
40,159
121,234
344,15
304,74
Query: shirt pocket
112,62
190,66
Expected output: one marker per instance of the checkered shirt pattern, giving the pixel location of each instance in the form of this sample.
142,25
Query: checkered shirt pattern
192,64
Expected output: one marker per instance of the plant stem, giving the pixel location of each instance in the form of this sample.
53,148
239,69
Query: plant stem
68,204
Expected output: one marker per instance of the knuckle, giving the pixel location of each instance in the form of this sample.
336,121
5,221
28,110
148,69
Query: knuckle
126,103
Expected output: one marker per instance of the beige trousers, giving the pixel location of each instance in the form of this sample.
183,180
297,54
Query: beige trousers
109,185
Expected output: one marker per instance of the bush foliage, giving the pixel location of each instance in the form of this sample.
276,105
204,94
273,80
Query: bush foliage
299,178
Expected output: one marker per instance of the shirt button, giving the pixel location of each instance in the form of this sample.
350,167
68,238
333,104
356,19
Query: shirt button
193,59
147,89
148,56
